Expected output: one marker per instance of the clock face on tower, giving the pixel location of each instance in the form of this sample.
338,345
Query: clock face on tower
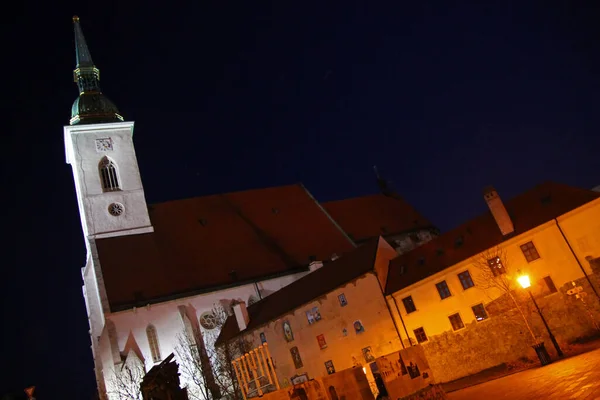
104,144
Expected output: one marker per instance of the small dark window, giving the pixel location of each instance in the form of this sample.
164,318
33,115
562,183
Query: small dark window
530,252
550,283
496,266
465,280
456,321
420,335
443,289
409,304
459,241
479,311
421,261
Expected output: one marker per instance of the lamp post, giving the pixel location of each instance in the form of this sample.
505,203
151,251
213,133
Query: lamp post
526,284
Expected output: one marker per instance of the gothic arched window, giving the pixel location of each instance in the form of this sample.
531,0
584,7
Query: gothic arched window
108,175
153,341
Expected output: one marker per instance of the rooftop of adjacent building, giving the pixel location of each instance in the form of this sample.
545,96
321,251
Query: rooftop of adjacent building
528,210
331,275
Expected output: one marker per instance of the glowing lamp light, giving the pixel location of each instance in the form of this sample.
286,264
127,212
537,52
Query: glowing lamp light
365,370
524,281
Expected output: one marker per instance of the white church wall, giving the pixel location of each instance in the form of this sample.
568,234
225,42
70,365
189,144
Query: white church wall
165,317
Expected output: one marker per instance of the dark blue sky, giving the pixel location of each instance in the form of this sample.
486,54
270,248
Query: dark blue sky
235,95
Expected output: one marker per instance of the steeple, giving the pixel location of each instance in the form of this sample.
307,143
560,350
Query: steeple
91,106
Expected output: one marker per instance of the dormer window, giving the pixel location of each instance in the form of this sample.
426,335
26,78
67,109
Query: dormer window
108,175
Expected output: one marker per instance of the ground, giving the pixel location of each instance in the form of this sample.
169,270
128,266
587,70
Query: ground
576,377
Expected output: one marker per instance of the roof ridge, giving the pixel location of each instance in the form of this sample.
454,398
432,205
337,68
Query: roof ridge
225,193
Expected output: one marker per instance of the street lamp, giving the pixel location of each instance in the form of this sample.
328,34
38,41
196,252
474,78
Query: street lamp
526,284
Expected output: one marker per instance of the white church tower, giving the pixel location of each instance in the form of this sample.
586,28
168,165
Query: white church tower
99,147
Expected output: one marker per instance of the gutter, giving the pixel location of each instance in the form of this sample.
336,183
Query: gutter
577,259
402,320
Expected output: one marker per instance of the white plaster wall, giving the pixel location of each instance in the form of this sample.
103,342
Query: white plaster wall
166,319
81,153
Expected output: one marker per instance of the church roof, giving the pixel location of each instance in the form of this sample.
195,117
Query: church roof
527,211
211,242
318,283
370,216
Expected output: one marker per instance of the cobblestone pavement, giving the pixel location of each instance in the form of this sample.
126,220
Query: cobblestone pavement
573,378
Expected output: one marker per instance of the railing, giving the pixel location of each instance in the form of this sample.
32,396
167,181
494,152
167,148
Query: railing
255,372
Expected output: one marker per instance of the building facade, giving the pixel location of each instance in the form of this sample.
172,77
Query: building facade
454,295
333,319
155,273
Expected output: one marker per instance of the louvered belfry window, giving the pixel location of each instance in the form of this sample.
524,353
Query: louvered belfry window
108,175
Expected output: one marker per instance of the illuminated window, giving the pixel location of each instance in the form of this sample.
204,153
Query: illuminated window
443,289
108,175
465,280
479,311
153,341
530,252
456,321
496,266
420,335
409,304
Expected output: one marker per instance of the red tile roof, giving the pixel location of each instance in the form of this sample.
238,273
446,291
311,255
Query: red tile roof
528,210
318,283
198,242
370,216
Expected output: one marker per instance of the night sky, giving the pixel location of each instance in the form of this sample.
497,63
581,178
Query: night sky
230,96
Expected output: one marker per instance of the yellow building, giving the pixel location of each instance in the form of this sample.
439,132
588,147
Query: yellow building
453,293
334,318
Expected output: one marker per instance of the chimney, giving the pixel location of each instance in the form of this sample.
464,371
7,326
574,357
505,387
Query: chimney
315,265
241,315
498,210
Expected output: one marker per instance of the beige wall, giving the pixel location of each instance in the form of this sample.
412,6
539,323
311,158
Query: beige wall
365,303
582,228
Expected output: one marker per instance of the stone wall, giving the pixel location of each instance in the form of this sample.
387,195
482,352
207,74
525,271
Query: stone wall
504,337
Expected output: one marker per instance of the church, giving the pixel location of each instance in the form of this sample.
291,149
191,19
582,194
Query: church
156,271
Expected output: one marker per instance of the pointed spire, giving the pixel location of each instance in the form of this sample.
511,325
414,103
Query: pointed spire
83,58
91,106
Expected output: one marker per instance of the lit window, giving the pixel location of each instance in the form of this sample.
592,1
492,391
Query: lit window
108,175
420,335
496,266
443,289
479,311
530,252
456,321
153,341
550,284
465,280
409,304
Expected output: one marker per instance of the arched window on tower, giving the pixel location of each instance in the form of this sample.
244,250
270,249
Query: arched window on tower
108,175
153,341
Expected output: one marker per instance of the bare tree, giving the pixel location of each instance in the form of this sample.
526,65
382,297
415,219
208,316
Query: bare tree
126,380
193,351
495,274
